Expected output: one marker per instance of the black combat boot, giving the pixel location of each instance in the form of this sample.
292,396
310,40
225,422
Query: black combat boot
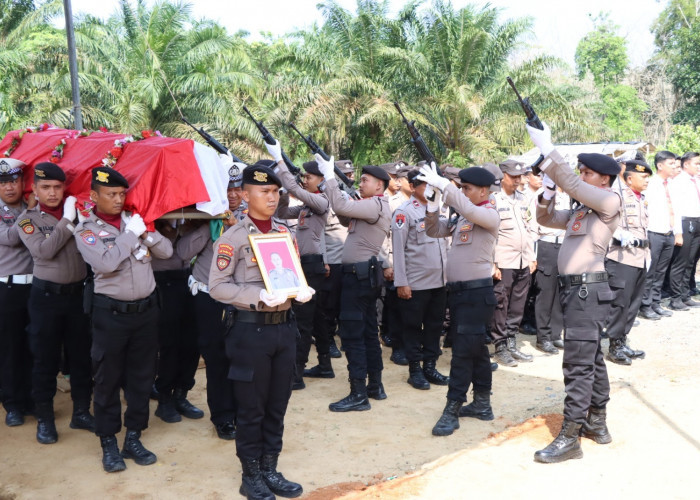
479,408
629,352
253,486
595,428
112,460
516,353
135,450
546,347
14,418
375,388
416,377
449,420
565,446
333,349
398,356
184,407
277,483
298,383
45,425
356,400
616,353
494,367
166,408
503,355
226,431
324,369
432,375
81,416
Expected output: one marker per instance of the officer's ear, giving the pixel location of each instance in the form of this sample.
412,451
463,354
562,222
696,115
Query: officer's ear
245,194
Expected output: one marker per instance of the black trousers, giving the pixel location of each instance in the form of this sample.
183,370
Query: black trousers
585,375
627,283
15,354
209,316
358,326
262,368
177,333
684,261
511,294
471,311
661,246
56,320
422,316
124,354
392,323
329,301
310,317
548,313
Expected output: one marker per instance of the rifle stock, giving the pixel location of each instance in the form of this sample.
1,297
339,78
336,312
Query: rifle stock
531,119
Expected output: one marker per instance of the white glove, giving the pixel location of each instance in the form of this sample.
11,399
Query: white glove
541,138
136,225
326,167
273,299
550,188
275,151
81,217
430,175
626,238
305,294
433,206
69,211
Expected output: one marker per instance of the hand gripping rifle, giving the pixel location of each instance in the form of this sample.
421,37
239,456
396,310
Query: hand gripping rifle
531,119
347,184
220,148
267,137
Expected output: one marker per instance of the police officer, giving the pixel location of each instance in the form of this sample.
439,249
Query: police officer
312,217
585,294
627,261
125,312
419,276
56,316
209,313
368,223
15,284
261,345
469,281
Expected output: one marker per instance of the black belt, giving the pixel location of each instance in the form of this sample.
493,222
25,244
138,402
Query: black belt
122,306
582,279
637,244
58,288
353,268
456,286
661,234
172,275
262,318
311,258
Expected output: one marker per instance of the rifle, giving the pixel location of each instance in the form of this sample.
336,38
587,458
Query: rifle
531,119
347,184
220,148
267,137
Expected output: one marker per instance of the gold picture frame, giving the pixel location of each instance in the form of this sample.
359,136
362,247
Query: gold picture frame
278,262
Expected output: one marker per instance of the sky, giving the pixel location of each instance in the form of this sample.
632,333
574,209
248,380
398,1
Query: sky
558,24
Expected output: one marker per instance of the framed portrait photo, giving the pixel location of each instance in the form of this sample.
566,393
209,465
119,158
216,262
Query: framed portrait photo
278,262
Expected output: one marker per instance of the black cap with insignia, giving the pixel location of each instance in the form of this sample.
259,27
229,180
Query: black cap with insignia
639,166
600,163
47,171
260,175
235,175
477,176
10,169
311,167
108,177
377,172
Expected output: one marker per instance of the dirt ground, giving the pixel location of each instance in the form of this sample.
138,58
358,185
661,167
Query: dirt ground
389,452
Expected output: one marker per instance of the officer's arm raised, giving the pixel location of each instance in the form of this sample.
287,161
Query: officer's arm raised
548,216
366,209
485,217
316,202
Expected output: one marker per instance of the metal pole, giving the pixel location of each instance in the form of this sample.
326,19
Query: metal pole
73,66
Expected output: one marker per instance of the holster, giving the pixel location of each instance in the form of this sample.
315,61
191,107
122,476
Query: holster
88,292
229,318
376,273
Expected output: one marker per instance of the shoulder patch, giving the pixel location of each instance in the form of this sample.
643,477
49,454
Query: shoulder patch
400,220
416,204
222,262
88,237
225,249
27,226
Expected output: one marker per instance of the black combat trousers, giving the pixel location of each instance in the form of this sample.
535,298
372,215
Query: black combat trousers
661,246
511,294
547,306
392,323
585,376
15,354
471,310
422,316
57,320
682,265
329,302
627,283
309,315
209,316
124,354
262,369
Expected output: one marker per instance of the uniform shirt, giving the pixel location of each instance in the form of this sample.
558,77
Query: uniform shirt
685,196
311,216
173,263
396,200
120,260
636,223
234,275
334,238
658,205
515,248
589,228
473,237
14,256
419,260
51,243
561,202
368,225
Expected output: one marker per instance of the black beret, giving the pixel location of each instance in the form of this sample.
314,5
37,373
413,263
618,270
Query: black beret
638,166
412,174
377,172
266,163
600,163
10,168
512,167
260,175
47,171
235,175
108,177
311,167
477,176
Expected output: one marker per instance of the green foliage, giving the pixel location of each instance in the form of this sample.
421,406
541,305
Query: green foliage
602,53
683,138
622,111
11,14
